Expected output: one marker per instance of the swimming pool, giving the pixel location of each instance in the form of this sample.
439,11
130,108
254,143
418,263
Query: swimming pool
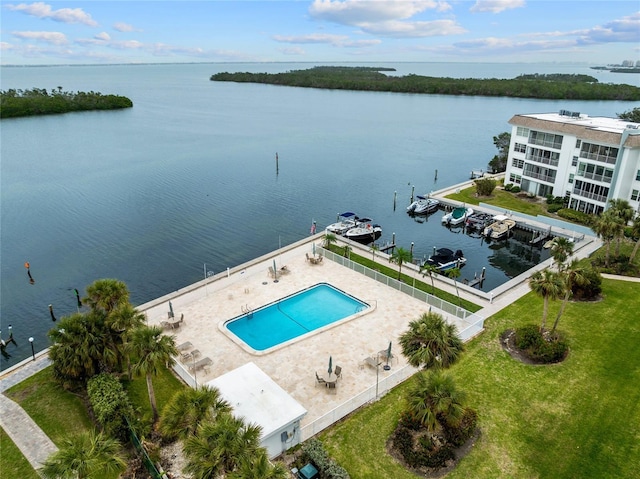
294,316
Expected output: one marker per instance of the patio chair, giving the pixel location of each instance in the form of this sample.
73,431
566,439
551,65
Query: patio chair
371,361
320,381
332,386
165,325
338,371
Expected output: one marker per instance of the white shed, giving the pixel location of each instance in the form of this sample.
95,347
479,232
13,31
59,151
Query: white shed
258,399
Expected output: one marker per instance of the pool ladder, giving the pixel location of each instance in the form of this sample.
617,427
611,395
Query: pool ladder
247,310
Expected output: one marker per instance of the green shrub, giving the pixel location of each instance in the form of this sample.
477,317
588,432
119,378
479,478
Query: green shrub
460,433
425,452
592,287
314,452
575,216
508,187
110,404
515,189
554,207
528,337
536,347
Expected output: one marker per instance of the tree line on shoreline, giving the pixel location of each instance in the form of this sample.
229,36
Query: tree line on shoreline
551,86
38,101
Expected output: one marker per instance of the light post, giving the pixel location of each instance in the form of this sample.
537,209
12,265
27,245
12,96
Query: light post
33,352
195,379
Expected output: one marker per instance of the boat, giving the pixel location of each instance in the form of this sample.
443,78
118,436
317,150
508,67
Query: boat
365,232
457,216
478,221
551,243
345,222
444,259
423,205
500,228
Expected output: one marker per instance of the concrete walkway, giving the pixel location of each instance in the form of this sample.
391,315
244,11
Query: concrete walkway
23,431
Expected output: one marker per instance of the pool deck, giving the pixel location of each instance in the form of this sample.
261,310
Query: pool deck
207,305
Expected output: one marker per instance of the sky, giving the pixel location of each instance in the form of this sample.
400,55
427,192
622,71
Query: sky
596,32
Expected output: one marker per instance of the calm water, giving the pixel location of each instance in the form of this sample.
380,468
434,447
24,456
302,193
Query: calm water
294,316
188,176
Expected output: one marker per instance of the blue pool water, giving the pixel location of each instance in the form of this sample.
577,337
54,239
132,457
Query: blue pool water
294,316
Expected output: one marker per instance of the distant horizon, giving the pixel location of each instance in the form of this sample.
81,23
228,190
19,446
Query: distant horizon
282,31
381,63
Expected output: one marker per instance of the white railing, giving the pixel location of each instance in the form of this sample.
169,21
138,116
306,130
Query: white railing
372,393
473,323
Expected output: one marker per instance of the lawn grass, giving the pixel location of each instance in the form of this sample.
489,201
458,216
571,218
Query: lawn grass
56,411
576,419
165,385
12,461
61,414
502,199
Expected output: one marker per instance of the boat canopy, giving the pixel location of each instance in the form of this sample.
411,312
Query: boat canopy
348,214
500,217
420,197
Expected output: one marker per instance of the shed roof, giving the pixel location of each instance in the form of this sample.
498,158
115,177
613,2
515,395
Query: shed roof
257,398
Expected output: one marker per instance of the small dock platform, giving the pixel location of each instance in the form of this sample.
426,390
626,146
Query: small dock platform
386,247
476,174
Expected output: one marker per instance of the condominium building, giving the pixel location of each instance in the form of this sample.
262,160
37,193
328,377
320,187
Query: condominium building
589,159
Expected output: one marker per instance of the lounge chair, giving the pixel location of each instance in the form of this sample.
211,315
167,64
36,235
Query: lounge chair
371,361
204,363
338,371
165,325
320,381
184,346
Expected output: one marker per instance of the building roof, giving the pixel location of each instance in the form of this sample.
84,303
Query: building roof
600,129
257,398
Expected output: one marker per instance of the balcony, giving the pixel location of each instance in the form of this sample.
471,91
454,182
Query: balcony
543,160
593,176
611,160
589,195
540,176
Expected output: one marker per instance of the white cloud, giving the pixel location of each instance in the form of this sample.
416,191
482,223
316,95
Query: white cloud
53,38
4,46
63,15
496,6
356,12
626,29
311,38
292,51
414,29
103,36
124,27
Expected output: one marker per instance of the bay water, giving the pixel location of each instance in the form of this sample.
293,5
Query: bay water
187,177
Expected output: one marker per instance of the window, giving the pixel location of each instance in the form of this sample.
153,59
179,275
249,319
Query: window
604,154
635,194
574,161
577,143
571,176
517,179
517,163
638,176
520,131
520,148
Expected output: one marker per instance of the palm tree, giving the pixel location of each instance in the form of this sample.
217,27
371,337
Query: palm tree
454,273
81,347
635,232
549,285
374,248
221,446
122,320
431,270
329,239
106,294
347,251
188,408
431,342
260,468
434,397
400,256
561,250
87,455
606,227
572,274
150,350
623,210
